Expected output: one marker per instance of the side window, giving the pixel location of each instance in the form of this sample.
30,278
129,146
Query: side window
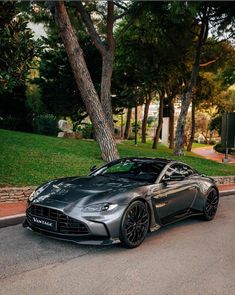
183,169
189,169
179,169
170,171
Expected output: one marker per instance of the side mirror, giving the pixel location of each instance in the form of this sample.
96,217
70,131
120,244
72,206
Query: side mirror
93,168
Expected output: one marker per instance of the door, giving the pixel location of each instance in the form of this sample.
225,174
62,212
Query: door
175,197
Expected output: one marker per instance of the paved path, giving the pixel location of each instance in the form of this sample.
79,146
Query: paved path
209,153
190,257
8,209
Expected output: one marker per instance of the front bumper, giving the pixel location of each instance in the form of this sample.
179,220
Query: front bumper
88,239
103,228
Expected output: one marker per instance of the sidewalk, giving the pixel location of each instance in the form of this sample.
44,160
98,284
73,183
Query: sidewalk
8,209
209,153
14,213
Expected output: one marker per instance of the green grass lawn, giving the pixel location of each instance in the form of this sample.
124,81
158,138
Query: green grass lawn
30,159
199,145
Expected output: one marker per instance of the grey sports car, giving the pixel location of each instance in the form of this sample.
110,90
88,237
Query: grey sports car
121,201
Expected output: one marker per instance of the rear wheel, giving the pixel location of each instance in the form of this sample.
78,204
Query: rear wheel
211,205
135,225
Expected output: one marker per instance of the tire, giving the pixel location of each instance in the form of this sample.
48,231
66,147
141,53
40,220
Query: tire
211,205
134,225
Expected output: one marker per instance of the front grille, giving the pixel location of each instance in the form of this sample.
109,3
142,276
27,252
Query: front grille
65,224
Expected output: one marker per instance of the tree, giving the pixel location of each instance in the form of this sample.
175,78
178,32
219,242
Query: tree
148,100
220,15
85,85
17,48
105,46
160,120
216,124
59,93
128,123
107,53
144,57
186,98
210,85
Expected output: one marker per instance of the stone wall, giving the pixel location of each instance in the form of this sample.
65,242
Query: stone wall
225,179
15,194
21,194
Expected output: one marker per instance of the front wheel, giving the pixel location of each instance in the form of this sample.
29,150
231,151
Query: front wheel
135,225
211,205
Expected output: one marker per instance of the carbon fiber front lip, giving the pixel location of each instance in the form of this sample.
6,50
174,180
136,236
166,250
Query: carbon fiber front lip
87,239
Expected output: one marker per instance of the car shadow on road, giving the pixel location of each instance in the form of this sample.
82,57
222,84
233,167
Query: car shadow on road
162,235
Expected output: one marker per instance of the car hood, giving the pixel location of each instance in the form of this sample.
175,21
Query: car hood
81,191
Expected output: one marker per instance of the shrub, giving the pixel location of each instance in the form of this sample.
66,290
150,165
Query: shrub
220,149
216,124
45,124
150,120
9,122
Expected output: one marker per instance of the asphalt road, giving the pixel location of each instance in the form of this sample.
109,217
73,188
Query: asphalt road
190,257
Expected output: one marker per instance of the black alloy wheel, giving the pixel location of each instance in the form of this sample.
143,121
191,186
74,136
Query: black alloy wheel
211,205
135,225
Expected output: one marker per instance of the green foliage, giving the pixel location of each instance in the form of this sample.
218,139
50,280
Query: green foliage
46,124
219,148
216,124
13,110
33,99
144,61
9,122
228,75
150,120
30,159
17,47
87,131
58,89
138,127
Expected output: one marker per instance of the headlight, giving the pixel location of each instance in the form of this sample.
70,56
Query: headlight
32,196
35,193
99,207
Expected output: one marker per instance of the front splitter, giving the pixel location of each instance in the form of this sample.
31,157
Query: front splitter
81,240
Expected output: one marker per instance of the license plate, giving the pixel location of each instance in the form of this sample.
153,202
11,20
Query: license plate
44,222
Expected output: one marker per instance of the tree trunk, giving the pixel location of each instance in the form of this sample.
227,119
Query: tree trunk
106,100
190,144
107,53
107,68
187,97
128,124
84,83
145,118
206,137
160,121
136,115
171,124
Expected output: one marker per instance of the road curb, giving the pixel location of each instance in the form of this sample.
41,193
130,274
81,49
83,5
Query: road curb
227,193
11,220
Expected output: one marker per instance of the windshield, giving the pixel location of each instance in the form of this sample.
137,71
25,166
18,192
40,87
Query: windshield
140,170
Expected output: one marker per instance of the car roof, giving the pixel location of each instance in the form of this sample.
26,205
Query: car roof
162,160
